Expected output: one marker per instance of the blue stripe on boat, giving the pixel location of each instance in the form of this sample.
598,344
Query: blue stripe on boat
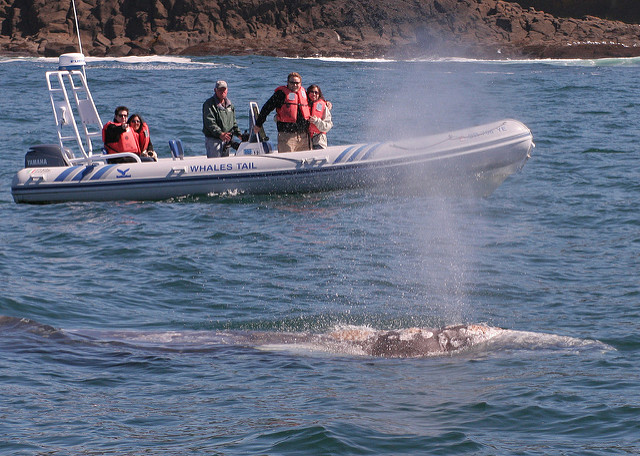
63,175
82,174
370,152
101,172
342,155
355,154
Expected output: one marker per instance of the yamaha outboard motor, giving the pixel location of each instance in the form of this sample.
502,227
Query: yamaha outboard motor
45,155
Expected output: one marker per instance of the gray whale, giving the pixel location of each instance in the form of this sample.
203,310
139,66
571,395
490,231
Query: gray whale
349,340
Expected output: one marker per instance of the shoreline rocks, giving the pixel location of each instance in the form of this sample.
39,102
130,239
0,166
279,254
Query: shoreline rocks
404,29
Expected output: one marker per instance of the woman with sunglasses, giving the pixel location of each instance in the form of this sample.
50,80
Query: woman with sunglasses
140,131
320,120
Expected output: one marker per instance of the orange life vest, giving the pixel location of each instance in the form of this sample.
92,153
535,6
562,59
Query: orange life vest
126,143
288,112
317,110
142,136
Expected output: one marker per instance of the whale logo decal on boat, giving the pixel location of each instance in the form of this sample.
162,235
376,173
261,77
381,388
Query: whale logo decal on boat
123,173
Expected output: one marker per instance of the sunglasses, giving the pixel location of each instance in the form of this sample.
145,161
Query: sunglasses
121,115
314,91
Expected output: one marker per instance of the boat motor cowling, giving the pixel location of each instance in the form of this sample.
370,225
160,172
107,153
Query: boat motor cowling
45,155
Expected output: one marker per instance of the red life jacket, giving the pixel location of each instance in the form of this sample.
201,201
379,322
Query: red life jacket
317,110
288,112
126,143
142,136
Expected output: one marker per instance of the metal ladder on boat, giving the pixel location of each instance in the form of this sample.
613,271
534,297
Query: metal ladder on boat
261,137
63,86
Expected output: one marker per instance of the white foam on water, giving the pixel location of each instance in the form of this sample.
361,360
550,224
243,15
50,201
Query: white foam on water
349,60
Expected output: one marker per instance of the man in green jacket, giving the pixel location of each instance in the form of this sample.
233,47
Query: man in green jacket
219,123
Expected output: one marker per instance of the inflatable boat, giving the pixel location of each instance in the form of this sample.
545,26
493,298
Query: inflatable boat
469,161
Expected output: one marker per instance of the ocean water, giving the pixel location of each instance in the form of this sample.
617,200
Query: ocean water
229,324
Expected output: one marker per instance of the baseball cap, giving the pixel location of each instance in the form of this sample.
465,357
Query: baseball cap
221,85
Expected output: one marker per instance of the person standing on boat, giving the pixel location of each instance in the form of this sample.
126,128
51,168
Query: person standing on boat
292,108
219,123
141,133
320,120
118,137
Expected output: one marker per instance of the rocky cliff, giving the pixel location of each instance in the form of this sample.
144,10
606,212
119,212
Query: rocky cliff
622,10
357,28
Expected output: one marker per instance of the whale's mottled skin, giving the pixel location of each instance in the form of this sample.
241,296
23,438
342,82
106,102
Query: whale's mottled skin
417,342
363,340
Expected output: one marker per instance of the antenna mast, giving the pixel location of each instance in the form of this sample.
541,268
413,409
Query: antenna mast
75,15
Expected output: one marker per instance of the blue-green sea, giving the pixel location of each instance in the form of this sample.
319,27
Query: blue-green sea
170,327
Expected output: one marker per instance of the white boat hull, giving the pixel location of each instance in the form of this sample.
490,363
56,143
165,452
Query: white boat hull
470,161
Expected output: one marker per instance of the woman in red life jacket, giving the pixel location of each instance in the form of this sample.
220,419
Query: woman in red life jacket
140,131
320,119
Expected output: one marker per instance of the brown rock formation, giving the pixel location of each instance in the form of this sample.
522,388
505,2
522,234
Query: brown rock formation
358,28
621,10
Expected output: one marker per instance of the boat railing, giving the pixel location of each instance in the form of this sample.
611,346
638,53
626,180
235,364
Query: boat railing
253,143
77,122
261,137
102,158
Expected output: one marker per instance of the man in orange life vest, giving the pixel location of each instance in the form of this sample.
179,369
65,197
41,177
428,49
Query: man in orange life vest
118,137
292,107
